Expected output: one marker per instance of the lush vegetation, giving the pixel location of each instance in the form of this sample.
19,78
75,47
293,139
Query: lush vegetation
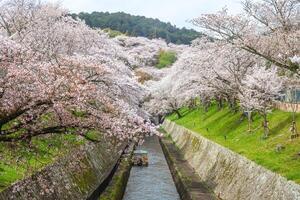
112,33
138,26
165,59
20,159
277,153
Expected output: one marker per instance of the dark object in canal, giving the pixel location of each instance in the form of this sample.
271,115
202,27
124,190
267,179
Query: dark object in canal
140,158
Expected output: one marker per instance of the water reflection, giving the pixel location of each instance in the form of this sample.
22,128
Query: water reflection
153,182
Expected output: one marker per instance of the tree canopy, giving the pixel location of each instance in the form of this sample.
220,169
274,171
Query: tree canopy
138,26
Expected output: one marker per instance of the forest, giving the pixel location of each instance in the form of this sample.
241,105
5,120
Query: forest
138,26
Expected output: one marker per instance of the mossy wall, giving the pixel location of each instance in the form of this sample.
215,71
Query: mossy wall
117,186
75,176
228,174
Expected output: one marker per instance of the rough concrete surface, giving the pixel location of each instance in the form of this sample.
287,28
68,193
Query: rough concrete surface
75,176
230,175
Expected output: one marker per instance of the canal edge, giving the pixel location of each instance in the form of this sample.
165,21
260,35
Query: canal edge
116,184
187,182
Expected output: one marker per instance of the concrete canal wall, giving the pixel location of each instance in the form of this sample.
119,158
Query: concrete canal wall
188,183
75,176
117,185
230,175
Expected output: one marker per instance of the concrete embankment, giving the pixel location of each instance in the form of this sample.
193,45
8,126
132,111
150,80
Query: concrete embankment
230,175
75,176
117,184
187,181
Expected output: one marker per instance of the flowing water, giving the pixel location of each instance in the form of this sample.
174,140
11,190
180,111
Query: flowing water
153,182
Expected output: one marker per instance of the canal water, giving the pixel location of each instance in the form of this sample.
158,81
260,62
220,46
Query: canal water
153,182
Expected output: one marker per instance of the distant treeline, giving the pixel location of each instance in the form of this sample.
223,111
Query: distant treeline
139,26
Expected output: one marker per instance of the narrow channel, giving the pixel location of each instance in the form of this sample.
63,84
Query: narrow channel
155,181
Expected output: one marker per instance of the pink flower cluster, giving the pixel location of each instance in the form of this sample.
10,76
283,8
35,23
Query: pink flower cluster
59,76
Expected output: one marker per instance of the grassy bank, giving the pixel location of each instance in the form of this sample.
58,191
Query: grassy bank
19,160
112,33
230,130
166,59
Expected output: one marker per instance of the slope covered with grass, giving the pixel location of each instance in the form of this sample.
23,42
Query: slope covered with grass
166,59
22,158
230,130
19,160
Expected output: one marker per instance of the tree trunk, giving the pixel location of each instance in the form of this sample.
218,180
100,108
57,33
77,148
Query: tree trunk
160,119
192,104
220,103
233,105
205,105
249,114
178,114
294,133
265,124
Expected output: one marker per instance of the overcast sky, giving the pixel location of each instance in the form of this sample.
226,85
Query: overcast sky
174,11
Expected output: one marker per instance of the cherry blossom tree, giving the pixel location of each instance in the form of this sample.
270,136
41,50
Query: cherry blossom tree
223,67
290,87
217,71
15,15
267,28
220,67
59,76
259,90
162,100
143,50
209,70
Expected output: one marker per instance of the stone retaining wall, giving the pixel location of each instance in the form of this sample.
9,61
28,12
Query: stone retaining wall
75,176
230,175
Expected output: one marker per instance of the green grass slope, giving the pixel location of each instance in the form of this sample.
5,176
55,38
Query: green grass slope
19,160
166,59
230,130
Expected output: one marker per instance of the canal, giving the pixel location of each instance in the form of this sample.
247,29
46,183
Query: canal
155,181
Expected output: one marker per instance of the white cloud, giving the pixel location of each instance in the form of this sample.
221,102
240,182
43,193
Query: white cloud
174,11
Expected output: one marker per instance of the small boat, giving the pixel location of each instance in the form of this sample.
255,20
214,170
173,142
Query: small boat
140,158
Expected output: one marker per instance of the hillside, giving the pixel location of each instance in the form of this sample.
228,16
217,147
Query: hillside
138,26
